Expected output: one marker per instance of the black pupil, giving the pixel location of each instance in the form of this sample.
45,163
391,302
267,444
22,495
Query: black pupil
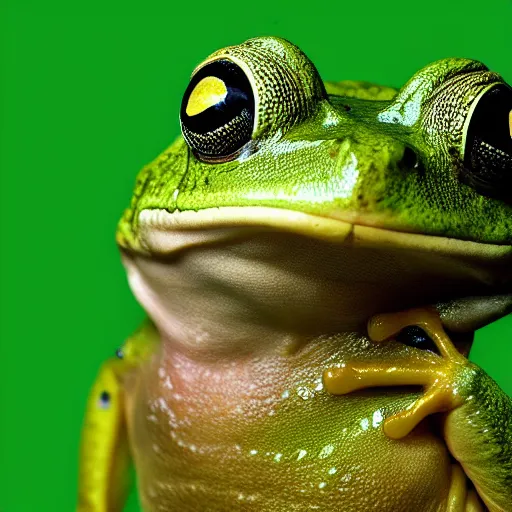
224,127
488,153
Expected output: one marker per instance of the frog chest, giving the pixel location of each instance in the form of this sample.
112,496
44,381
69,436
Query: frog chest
265,436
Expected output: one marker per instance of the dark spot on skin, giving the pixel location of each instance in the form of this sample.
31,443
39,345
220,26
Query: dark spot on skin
363,202
409,160
334,151
414,336
347,108
206,181
104,400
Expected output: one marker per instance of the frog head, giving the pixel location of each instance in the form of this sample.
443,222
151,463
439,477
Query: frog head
292,207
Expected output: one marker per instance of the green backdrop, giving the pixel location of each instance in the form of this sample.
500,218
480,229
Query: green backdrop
90,92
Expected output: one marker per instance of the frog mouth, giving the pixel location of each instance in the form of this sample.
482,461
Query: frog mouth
164,233
260,273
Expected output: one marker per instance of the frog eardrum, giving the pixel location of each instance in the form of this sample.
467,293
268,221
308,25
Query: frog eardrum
488,148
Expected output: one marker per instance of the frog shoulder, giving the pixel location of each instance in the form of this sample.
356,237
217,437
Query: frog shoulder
140,345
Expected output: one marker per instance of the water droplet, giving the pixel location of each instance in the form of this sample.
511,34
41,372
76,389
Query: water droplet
321,485
332,471
326,451
377,418
302,454
277,457
319,386
304,392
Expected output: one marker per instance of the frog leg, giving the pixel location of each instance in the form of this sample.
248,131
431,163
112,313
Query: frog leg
460,498
473,503
104,457
478,420
104,453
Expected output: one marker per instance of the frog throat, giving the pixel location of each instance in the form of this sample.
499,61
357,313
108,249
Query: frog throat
240,275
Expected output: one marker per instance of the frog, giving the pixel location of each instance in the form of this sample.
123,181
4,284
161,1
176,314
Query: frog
314,258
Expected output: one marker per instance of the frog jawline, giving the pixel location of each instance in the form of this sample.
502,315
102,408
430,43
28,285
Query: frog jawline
233,277
162,232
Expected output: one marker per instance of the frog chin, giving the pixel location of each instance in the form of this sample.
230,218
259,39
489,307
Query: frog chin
253,278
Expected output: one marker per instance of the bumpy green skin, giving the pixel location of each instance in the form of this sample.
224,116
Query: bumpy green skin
337,150
346,156
479,435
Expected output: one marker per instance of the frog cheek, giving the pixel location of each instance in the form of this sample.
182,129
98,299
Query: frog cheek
488,144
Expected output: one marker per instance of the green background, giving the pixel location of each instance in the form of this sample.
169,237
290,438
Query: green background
90,92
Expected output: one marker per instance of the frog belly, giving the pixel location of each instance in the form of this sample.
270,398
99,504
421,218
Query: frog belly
262,434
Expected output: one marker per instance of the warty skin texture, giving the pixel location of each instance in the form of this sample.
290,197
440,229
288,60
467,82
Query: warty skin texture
259,272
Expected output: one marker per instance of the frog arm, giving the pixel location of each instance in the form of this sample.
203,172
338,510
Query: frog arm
479,432
104,456
104,452
478,419
479,436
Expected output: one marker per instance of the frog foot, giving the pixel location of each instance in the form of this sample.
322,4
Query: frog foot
441,377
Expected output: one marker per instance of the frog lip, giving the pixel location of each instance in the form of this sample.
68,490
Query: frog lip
163,232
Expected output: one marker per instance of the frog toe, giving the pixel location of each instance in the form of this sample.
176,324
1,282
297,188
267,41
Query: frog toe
442,376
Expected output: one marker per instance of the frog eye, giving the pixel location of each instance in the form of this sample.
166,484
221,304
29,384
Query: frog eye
488,144
217,111
243,96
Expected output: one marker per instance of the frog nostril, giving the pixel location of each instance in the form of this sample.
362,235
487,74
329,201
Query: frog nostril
416,337
409,159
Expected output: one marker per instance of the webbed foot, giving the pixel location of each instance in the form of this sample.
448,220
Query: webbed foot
443,377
